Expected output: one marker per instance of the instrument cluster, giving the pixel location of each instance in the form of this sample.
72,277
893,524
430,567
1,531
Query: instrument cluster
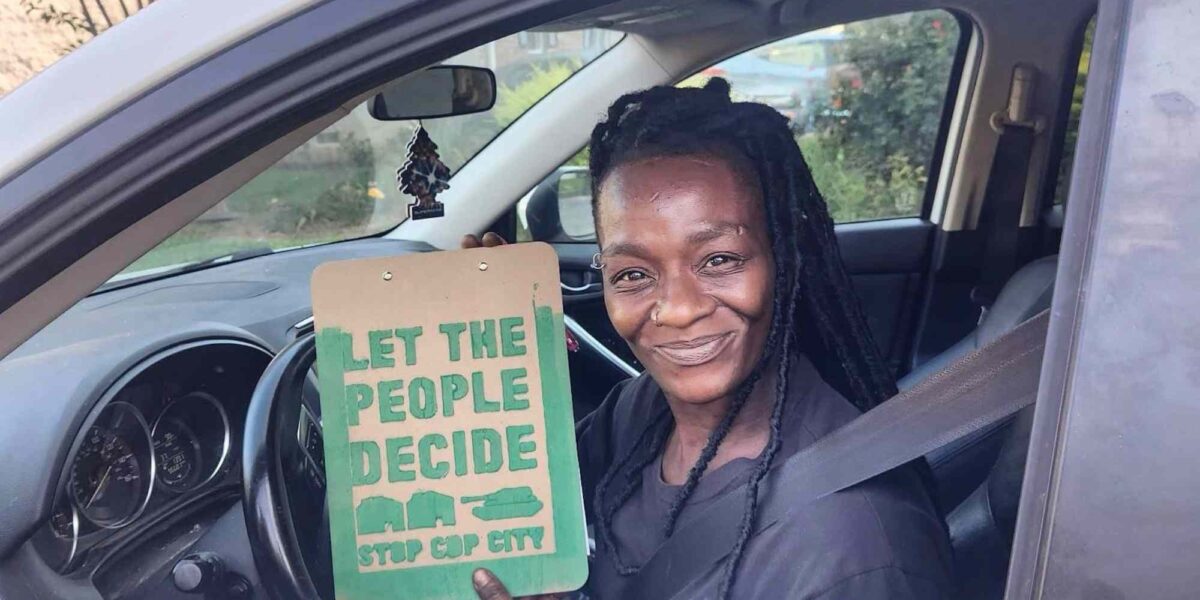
124,458
166,435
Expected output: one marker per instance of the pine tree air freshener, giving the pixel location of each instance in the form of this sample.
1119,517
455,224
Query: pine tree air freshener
423,177
448,426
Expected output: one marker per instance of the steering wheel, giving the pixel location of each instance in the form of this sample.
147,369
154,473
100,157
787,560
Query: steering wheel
268,439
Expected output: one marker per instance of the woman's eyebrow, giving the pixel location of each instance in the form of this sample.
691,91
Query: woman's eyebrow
624,249
713,231
709,232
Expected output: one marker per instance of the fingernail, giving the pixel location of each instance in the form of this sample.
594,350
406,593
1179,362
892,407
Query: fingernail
480,578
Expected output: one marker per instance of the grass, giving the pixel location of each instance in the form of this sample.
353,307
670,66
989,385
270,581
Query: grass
295,185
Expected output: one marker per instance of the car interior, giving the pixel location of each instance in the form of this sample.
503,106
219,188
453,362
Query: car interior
143,358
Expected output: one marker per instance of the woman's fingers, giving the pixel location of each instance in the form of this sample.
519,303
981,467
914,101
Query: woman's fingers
488,586
490,239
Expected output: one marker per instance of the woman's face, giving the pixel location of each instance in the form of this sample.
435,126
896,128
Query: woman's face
688,271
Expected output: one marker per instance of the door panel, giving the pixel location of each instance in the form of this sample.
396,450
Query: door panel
887,261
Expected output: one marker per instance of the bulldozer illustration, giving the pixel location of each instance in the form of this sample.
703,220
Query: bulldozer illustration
505,503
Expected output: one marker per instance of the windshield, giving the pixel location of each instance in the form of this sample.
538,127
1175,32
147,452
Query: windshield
341,184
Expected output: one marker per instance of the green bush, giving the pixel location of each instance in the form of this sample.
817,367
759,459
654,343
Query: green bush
857,194
345,206
871,162
513,101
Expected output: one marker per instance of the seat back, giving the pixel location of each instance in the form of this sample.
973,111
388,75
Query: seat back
959,468
979,476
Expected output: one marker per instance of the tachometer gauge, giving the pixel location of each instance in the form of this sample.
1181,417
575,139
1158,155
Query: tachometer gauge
113,469
191,441
177,452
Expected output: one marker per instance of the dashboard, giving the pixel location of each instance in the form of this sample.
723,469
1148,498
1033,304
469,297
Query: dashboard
164,443
121,426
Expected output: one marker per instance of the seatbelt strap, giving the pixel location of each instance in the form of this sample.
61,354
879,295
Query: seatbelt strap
978,390
1004,196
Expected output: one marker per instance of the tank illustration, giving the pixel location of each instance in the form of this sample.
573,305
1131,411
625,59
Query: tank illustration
505,503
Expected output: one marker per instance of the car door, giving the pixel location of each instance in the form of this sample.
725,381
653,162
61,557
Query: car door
874,161
1108,505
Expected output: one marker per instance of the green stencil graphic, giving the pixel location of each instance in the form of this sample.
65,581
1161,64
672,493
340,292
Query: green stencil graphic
378,514
444,389
505,503
429,509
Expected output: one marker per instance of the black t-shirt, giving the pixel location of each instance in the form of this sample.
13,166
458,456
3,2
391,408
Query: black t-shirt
881,539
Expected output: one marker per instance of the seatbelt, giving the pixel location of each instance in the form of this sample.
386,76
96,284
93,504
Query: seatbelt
980,389
1004,196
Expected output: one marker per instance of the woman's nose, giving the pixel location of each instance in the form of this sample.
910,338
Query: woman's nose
682,302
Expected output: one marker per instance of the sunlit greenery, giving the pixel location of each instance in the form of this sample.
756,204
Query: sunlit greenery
871,150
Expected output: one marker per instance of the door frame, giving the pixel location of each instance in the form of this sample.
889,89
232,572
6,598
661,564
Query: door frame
1093,429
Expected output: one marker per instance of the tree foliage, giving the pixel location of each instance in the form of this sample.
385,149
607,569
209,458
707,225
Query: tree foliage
871,152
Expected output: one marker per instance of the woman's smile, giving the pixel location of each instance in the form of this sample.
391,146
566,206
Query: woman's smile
695,351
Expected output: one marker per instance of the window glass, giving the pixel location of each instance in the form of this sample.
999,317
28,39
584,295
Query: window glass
865,102
1063,181
341,184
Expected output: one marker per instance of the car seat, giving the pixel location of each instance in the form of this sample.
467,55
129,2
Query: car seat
979,476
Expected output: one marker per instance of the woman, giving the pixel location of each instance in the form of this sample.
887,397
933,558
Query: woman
723,275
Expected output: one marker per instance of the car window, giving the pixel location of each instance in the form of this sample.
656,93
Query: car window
1063,181
341,184
865,101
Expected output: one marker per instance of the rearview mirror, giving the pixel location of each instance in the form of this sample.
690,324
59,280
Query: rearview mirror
440,91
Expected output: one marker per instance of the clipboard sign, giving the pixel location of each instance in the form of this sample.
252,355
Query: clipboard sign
448,424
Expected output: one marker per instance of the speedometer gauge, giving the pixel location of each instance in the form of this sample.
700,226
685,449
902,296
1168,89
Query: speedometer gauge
113,469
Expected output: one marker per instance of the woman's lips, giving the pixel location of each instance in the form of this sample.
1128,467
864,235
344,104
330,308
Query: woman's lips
696,351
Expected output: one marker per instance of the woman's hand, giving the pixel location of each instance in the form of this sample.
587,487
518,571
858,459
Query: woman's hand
487,585
490,239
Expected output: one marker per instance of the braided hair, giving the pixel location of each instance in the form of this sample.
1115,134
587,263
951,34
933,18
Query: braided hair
816,311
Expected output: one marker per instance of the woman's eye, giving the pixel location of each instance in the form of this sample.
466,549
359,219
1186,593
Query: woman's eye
722,261
629,276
